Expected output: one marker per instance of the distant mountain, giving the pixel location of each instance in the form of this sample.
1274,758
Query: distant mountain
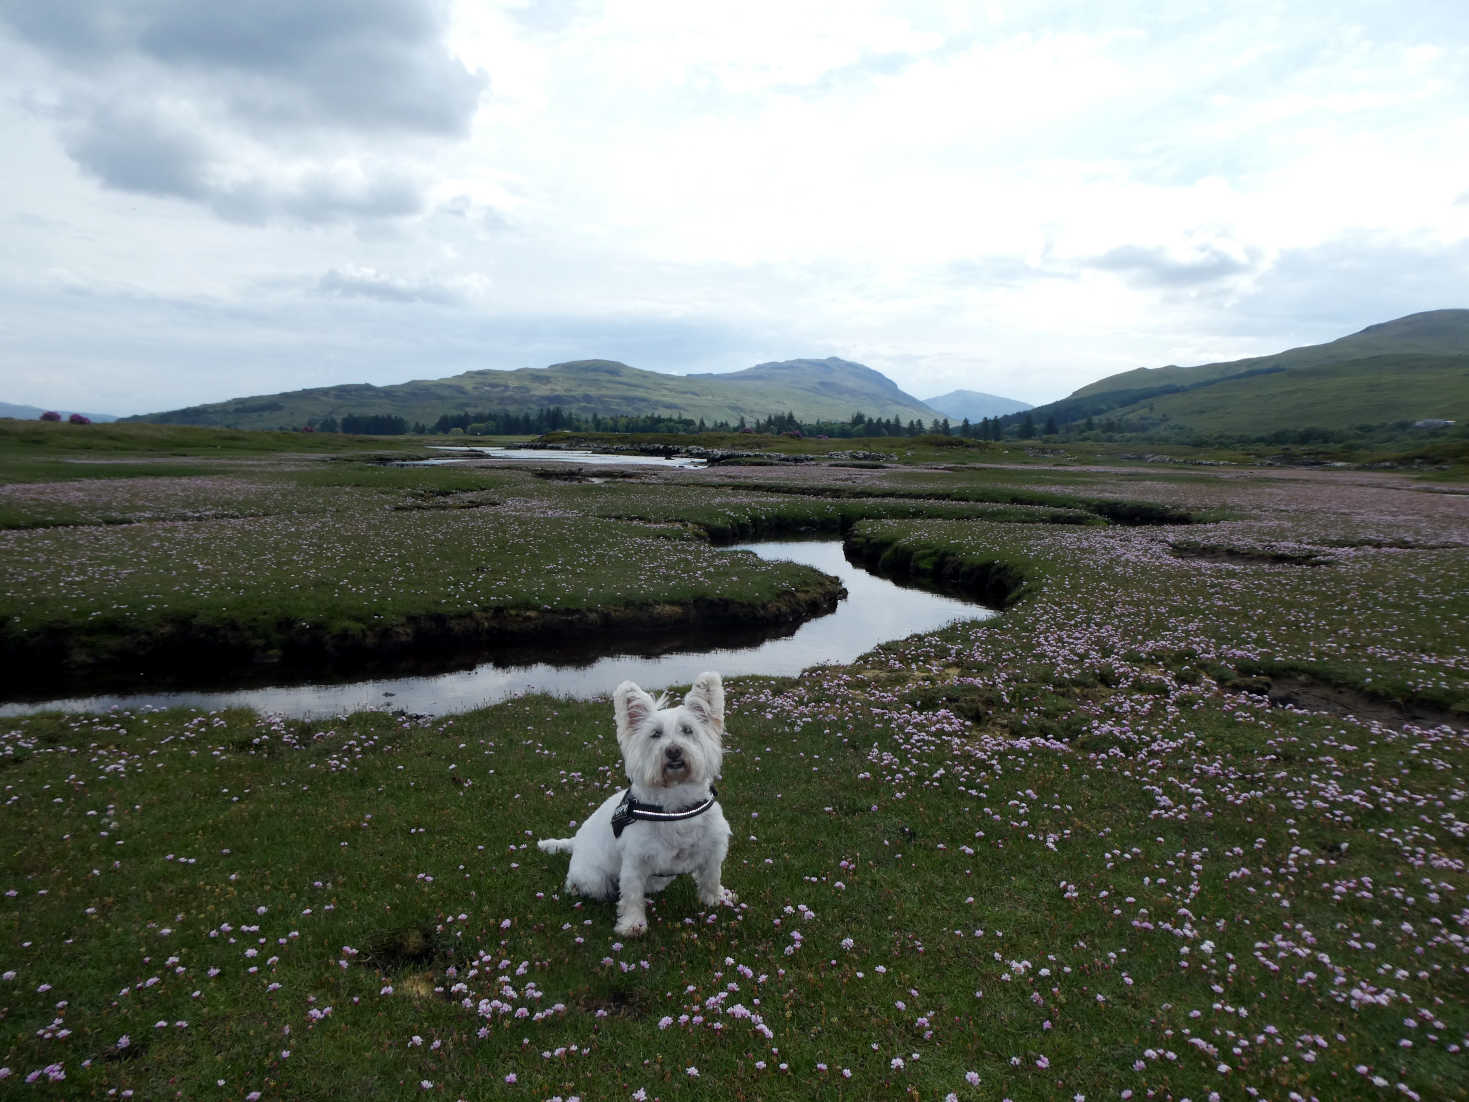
1413,368
837,387
30,413
813,390
957,405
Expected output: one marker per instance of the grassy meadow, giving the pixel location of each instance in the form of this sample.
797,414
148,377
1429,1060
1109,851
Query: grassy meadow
1188,820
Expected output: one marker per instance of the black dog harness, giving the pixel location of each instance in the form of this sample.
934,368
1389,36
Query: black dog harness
631,810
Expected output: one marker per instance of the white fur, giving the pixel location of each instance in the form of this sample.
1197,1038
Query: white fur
673,756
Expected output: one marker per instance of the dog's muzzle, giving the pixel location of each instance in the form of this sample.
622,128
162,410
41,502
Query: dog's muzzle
674,761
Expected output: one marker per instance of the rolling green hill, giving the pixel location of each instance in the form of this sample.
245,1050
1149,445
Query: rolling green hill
814,390
1434,333
1373,390
1410,369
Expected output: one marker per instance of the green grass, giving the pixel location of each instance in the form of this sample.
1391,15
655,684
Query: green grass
734,511
985,495
41,451
1071,850
911,890
22,438
1369,391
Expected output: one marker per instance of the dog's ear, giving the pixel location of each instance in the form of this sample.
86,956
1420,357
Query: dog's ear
706,699
631,706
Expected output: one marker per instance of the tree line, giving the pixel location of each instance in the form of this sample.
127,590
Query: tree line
504,422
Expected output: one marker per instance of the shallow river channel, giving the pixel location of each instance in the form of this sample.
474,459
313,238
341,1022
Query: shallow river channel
874,611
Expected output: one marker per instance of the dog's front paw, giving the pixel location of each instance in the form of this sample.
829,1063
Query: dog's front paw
719,896
631,927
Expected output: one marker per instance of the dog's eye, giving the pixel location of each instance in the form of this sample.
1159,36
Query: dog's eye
686,729
657,733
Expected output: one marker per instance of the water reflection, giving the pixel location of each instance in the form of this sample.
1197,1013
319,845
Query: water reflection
874,611
463,454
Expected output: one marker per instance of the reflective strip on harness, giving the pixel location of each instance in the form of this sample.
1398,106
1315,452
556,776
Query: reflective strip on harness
630,810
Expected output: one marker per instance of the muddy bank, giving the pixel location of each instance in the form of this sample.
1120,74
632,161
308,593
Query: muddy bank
1249,556
183,653
1309,694
990,581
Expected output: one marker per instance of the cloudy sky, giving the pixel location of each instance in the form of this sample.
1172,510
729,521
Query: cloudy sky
204,200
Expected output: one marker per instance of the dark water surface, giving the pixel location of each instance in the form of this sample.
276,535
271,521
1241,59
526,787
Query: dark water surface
874,611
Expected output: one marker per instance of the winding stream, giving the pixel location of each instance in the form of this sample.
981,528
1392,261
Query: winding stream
461,455
874,611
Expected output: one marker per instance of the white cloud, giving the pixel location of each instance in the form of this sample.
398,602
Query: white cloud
354,281
1017,199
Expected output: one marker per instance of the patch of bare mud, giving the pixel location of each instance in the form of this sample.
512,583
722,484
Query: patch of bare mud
1249,556
1308,695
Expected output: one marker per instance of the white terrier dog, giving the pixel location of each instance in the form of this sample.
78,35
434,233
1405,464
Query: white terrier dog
667,821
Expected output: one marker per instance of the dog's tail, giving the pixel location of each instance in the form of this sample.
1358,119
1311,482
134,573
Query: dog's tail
554,845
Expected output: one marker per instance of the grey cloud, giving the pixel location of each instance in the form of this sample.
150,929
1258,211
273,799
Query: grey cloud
364,65
162,96
277,35
145,149
321,197
80,29
134,149
361,64
318,196
476,217
1160,268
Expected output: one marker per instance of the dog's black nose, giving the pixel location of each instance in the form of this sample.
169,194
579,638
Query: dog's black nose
674,753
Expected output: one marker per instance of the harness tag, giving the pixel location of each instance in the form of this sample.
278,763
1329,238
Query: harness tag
622,815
